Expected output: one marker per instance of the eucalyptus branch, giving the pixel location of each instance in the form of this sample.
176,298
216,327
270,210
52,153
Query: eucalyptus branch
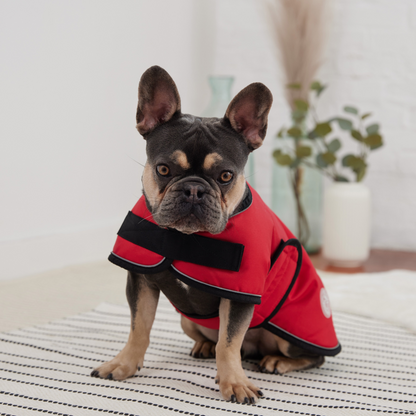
311,138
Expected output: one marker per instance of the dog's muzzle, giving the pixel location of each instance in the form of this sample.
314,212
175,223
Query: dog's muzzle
191,205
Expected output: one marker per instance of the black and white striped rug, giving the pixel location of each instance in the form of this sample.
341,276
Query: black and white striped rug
45,369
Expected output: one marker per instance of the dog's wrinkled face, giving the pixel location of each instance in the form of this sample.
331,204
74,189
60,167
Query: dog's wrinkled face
194,176
194,183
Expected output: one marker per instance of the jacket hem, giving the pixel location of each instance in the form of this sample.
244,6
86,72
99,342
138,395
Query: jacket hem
299,342
196,316
139,268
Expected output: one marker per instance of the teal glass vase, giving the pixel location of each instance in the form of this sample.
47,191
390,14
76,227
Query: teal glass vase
220,96
303,216
217,106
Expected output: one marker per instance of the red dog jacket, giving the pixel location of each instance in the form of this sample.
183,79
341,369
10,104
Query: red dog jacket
256,259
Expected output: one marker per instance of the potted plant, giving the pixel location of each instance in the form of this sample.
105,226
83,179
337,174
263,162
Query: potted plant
299,30
346,222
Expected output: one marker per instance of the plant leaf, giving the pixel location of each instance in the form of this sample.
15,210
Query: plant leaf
373,141
372,129
329,158
334,146
376,146
357,164
318,87
298,115
340,178
364,116
346,160
318,93
352,161
280,133
344,123
357,135
320,161
281,158
293,86
349,109
295,132
322,129
303,151
361,173
301,105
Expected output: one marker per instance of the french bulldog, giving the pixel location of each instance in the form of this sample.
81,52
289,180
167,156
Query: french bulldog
198,232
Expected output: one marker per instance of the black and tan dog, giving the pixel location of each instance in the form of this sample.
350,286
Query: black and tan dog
187,238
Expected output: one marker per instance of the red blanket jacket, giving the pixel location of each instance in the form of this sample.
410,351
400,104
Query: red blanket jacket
256,259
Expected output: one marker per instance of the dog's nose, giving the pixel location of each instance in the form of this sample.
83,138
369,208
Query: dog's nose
194,192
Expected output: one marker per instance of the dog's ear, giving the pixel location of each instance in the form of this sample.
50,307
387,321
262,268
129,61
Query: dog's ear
158,99
248,113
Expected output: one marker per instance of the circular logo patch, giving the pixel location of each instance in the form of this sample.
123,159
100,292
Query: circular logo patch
325,305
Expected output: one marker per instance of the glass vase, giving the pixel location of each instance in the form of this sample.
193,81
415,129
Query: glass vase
220,99
284,204
220,96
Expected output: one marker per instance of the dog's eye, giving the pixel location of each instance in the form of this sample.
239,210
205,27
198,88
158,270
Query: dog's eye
225,177
162,170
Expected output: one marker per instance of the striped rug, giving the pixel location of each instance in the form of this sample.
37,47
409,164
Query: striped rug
45,369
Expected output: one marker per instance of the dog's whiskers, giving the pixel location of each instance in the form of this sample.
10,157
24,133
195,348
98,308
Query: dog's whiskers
249,176
144,219
134,160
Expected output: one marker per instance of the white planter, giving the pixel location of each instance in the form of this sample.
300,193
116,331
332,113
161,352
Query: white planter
346,224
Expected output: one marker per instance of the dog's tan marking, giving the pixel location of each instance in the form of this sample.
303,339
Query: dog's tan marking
235,195
203,348
179,157
282,365
233,383
210,160
150,186
130,358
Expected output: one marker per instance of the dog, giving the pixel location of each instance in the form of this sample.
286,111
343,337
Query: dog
242,283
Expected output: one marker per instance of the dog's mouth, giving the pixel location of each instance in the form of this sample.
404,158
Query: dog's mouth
189,224
191,219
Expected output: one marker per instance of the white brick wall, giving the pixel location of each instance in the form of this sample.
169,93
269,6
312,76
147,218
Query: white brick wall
68,103
370,62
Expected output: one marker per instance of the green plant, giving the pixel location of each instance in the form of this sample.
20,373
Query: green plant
313,144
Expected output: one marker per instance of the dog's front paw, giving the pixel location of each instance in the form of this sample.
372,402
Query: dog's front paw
236,387
123,366
203,349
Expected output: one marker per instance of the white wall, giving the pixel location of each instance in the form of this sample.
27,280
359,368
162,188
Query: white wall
370,62
68,80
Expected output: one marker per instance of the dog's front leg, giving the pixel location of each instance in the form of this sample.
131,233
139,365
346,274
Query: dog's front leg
143,299
234,385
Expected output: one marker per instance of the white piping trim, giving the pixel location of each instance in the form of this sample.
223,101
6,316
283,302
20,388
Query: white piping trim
137,264
216,287
300,339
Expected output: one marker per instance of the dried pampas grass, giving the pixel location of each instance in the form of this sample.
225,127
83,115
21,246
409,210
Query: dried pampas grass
299,30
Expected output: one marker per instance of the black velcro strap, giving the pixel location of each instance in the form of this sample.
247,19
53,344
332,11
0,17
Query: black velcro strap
174,245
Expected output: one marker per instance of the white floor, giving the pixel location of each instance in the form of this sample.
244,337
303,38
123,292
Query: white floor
59,293
38,299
